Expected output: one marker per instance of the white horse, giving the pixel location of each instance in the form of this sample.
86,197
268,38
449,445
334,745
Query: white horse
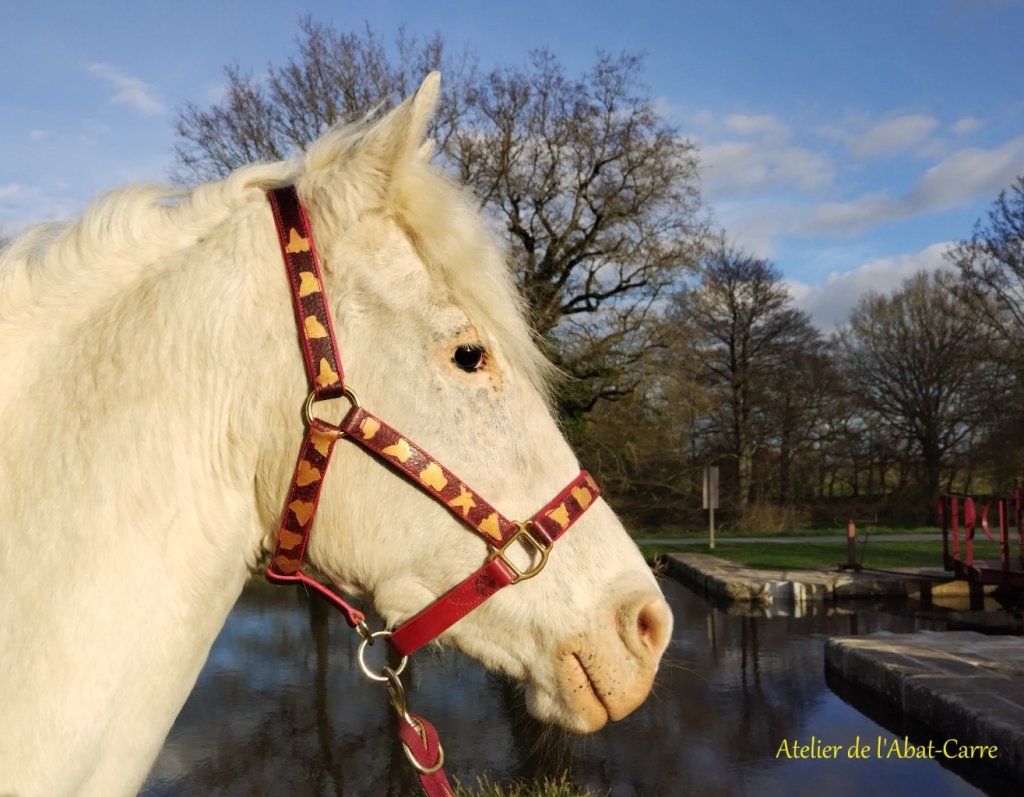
149,408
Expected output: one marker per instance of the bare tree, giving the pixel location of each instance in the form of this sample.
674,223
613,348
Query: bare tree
921,365
747,331
991,265
334,77
649,445
597,194
800,395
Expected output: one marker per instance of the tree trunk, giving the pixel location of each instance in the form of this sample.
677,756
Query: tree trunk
933,475
744,472
742,448
785,463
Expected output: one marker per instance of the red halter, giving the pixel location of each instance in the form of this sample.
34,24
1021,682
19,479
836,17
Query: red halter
327,380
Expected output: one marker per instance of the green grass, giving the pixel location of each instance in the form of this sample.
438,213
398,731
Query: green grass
839,531
797,555
549,787
652,552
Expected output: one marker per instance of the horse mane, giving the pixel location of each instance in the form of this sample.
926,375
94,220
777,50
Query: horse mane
121,234
125,232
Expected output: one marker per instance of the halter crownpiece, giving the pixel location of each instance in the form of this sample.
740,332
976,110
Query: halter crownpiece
327,380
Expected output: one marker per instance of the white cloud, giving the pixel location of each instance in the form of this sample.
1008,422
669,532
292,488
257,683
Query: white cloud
961,177
10,190
747,154
736,171
766,180
830,302
128,90
751,225
853,216
702,118
891,136
760,124
967,125
743,167
933,149
967,173
38,135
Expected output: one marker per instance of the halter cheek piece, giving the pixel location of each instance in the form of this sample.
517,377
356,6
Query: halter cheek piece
363,428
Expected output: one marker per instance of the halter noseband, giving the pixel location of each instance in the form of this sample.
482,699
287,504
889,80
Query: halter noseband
327,381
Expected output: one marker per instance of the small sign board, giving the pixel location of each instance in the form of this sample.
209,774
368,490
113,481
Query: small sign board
711,487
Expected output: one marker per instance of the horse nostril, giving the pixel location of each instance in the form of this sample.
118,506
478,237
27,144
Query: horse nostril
643,627
653,625
649,623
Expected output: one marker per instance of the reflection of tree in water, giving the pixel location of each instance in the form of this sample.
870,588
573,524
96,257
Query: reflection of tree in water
320,630
282,702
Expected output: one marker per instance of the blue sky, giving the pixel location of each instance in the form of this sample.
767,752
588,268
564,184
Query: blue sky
849,142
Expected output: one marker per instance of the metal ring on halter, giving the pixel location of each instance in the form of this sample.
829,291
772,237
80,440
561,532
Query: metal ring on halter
382,676
412,759
307,408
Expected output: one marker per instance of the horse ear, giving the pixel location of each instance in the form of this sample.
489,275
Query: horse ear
391,142
397,138
424,104
426,150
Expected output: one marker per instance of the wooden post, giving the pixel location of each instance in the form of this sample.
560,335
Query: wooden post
711,501
851,544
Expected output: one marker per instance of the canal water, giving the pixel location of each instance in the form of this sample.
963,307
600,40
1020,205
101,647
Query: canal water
281,708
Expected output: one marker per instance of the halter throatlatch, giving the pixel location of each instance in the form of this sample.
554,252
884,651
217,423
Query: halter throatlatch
327,380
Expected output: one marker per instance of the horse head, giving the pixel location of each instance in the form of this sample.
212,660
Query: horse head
435,340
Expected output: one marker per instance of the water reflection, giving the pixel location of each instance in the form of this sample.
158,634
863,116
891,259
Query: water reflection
281,708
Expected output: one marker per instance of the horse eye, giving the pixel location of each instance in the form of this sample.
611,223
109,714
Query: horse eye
469,357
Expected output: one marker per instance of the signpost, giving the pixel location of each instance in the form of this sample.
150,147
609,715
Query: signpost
711,500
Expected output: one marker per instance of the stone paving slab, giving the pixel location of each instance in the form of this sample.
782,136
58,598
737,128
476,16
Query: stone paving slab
957,684
735,583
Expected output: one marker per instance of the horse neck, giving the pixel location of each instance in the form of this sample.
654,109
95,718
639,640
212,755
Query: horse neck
135,521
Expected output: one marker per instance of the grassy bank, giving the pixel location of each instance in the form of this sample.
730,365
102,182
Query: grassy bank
804,532
828,554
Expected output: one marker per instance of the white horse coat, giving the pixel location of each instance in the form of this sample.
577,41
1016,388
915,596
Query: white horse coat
149,404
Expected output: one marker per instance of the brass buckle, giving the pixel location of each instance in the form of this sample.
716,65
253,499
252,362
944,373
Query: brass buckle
307,407
522,533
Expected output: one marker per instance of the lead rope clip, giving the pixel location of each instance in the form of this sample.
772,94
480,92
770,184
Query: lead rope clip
396,697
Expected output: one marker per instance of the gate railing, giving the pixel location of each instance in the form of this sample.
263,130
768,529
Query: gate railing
958,514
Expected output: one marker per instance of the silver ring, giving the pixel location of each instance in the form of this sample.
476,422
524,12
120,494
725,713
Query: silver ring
361,658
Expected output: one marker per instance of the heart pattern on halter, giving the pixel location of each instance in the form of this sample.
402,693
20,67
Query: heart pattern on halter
304,494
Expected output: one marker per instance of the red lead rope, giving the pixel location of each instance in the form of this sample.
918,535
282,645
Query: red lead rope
326,380
423,748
